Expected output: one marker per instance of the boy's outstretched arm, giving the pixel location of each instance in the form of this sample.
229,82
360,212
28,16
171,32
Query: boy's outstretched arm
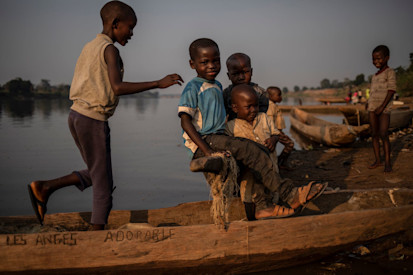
119,87
188,127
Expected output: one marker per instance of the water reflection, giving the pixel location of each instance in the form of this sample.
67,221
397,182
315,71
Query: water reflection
144,104
26,108
149,162
296,101
17,108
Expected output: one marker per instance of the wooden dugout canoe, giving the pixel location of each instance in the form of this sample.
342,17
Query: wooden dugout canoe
399,118
332,100
183,238
322,131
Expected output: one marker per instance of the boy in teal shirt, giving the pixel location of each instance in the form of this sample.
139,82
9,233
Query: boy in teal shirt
202,112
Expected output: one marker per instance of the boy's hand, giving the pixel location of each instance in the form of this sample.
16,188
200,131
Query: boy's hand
170,80
282,138
271,142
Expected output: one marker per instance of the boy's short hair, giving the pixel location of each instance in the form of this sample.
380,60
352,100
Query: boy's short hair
201,43
273,88
241,89
237,56
383,49
116,9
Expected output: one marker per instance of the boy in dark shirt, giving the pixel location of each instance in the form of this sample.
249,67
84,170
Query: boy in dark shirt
240,72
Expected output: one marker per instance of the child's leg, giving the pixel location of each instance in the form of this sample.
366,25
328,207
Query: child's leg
93,140
41,191
288,147
253,156
375,133
384,120
257,158
259,202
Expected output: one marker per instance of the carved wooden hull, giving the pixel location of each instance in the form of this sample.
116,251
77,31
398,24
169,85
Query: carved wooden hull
399,118
183,238
325,132
332,100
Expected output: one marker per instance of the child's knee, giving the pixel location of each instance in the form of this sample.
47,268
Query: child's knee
375,134
384,135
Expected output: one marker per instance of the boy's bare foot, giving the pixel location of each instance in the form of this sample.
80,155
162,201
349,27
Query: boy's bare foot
375,165
98,227
307,193
38,197
275,212
387,168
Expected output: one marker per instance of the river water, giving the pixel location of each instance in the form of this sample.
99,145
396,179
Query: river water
150,164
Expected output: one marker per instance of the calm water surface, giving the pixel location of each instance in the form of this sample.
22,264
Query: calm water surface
150,165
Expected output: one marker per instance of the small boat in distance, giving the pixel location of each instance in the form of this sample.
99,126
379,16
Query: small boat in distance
185,239
328,101
322,131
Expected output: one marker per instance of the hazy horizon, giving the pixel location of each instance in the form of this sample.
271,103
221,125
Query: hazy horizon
290,43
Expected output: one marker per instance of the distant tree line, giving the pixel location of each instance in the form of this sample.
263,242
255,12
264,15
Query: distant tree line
404,81
334,84
19,88
24,89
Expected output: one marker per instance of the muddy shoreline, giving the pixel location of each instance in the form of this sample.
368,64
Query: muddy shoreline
347,168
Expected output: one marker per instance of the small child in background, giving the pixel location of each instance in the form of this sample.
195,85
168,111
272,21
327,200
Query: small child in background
368,92
96,86
274,112
240,72
355,98
379,105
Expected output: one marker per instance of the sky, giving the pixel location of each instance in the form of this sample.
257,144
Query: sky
290,42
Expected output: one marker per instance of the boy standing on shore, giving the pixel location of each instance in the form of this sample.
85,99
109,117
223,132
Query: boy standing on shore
96,85
379,105
202,112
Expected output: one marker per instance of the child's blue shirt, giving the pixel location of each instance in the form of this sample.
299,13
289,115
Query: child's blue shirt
203,101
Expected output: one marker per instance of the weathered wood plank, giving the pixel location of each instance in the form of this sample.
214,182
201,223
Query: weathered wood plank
354,217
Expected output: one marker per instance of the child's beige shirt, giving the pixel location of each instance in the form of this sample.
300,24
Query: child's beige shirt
91,91
275,113
261,129
380,85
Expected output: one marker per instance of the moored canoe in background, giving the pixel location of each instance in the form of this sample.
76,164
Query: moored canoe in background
399,118
322,131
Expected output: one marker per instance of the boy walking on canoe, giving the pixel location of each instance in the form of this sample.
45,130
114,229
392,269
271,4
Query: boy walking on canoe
97,83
